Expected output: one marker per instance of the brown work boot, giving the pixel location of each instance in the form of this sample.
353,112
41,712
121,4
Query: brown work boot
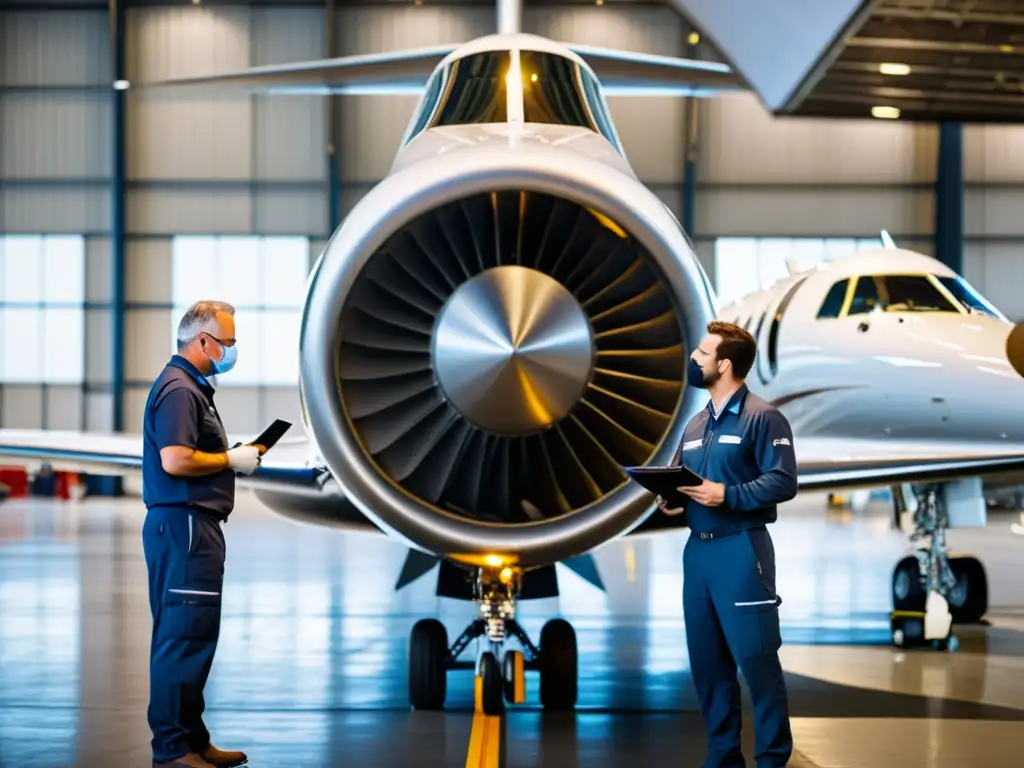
191,760
222,759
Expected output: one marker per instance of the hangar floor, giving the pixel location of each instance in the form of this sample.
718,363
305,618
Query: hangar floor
311,666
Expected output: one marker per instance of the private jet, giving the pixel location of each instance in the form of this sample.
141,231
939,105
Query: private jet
503,323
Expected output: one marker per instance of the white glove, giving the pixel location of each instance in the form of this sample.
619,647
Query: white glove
244,459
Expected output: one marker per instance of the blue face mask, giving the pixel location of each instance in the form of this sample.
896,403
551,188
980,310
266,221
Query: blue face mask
695,376
227,360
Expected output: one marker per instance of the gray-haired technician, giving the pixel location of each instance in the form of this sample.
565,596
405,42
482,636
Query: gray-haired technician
743,448
188,487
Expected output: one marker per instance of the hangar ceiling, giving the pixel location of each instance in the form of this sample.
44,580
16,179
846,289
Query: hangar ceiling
927,60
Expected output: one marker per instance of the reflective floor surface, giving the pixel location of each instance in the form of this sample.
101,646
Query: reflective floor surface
310,670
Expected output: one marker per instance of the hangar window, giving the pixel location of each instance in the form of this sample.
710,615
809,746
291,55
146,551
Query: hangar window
265,279
42,309
474,90
744,265
833,302
898,293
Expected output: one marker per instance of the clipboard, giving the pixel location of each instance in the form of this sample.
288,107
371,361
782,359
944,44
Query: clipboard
664,481
269,436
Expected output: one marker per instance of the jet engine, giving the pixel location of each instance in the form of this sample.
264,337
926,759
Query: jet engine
488,340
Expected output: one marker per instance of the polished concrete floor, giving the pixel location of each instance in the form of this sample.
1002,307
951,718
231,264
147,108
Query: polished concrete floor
310,670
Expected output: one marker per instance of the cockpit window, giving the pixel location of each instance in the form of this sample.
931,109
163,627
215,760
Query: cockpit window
427,105
971,300
558,91
834,299
475,90
898,293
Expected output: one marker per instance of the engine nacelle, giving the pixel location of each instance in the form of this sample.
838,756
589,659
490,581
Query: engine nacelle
489,338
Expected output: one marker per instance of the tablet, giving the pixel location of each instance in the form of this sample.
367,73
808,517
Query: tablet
273,433
664,481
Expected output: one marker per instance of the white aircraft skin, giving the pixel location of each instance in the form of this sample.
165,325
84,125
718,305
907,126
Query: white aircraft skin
873,418
904,378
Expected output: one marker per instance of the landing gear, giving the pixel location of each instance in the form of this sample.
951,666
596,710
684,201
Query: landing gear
930,589
495,592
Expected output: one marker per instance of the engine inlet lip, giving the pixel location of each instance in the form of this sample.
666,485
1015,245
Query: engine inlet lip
403,197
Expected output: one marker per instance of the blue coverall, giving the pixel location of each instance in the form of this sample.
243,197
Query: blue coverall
184,548
730,605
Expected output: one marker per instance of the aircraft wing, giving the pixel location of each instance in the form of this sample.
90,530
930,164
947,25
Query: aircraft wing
370,74
629,73
622,73
832,464
288,466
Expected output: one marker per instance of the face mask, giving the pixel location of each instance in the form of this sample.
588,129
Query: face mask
227,360
695,376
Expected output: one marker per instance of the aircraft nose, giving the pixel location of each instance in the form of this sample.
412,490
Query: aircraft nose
1015,348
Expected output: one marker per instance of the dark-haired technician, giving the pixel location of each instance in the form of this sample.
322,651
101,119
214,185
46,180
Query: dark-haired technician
743,448
188,476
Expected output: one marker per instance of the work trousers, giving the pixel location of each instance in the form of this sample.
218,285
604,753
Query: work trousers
731,612
185,555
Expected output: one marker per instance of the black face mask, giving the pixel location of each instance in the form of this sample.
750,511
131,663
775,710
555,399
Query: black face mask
695,376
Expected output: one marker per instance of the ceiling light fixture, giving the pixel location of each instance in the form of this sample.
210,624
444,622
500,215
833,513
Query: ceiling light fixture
693,38
889,68
885,113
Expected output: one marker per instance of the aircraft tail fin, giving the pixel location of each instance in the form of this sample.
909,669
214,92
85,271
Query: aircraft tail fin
887,241
621,73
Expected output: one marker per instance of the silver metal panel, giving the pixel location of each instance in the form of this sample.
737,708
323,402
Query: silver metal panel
196,133
99,413
291,211
55,134
650,127
371,128
147,342
993,153
98,353
97,269
190,210
64,407
55,210
740,142
148,271
289,131
820,212
994,211
188,136
21,406
67,48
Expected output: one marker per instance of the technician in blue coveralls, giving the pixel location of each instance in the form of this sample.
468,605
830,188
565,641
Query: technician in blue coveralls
188,476
743,448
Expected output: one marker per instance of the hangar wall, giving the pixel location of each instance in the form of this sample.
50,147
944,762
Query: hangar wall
204,164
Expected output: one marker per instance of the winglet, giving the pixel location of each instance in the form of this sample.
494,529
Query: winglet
416,564
585,567
887,241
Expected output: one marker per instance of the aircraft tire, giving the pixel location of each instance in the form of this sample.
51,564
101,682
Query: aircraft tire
907,591
428,672
508,674
493,685
968,602
558,665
